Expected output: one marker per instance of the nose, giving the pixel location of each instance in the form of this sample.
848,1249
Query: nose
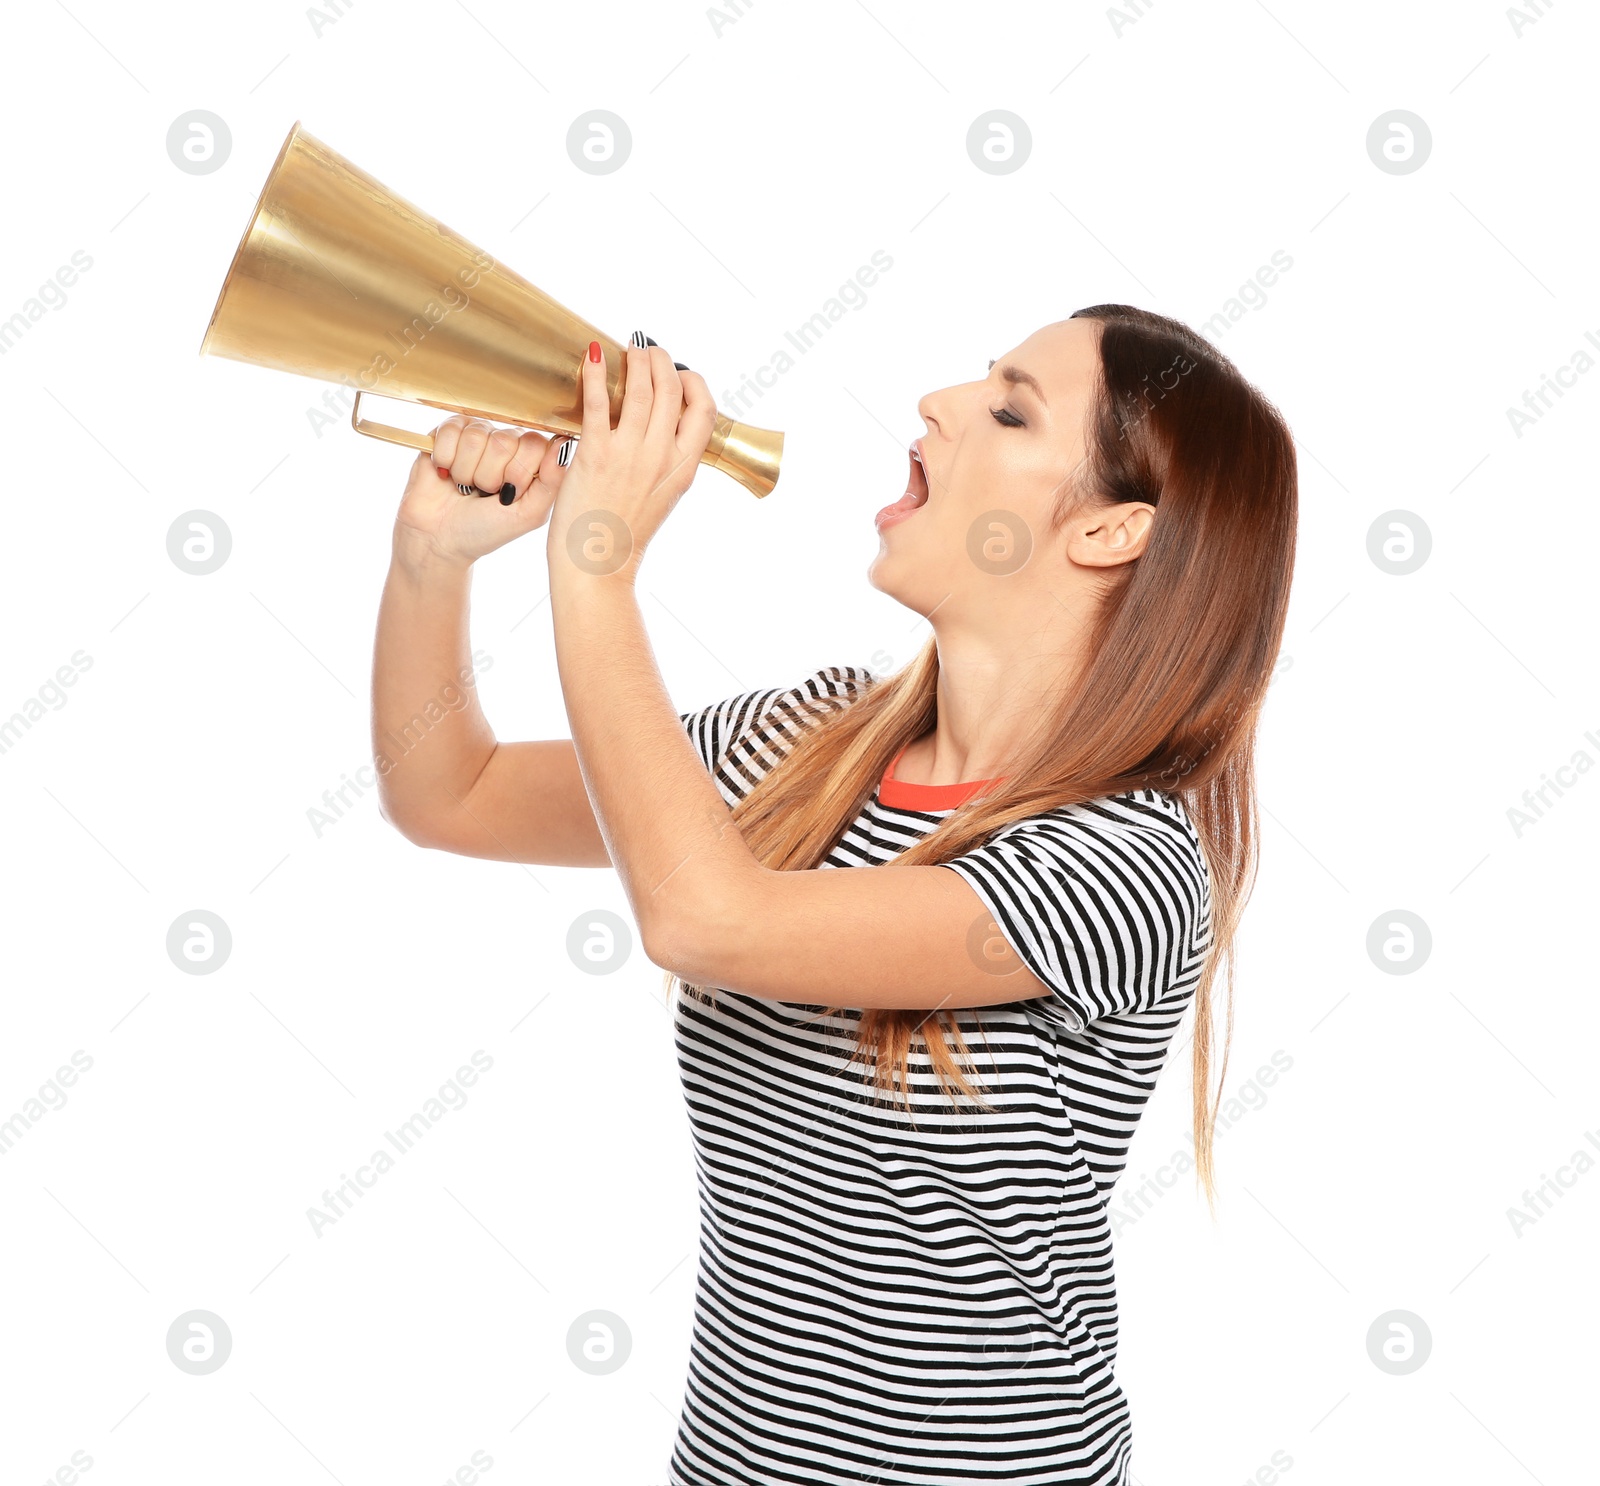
942,409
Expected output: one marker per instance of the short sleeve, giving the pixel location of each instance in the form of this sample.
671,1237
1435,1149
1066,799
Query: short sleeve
741,738
1108,903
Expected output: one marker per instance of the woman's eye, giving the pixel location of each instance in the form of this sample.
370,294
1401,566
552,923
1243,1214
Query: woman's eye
1007,417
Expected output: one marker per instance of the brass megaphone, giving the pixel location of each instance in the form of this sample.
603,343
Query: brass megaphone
338,278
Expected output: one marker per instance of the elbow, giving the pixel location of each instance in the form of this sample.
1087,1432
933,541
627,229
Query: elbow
412,827
691,938
675,943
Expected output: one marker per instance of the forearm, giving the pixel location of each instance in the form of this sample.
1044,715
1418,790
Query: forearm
429,735
681,861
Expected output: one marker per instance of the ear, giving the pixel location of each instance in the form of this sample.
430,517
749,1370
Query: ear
1109,535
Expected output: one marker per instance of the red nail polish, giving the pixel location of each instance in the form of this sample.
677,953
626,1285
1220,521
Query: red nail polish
444,474
594,350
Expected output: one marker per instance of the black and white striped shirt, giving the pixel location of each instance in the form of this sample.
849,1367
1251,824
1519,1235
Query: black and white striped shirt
878,1302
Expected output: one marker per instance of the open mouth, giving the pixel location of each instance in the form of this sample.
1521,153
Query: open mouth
916,491
918,485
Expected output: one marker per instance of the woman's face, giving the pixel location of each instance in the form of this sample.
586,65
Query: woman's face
996,457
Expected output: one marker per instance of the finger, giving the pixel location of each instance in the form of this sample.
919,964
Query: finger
638,395
523,466
596,399
554,467
699,414
469,450
668,401
527,511
446,439
548,477
499,450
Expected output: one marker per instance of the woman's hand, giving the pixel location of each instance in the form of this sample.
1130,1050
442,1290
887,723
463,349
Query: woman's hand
437,522
621,484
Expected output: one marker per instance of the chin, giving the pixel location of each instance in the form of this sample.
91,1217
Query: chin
882,574
888,573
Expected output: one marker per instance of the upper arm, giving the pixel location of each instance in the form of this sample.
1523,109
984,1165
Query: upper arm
1109,904
912,938
528,804
1090,923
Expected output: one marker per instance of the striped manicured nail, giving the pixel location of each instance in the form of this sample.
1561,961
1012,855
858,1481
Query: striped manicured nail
564,453
637,339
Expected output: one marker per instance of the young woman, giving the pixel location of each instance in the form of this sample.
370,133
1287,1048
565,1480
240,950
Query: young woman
911,1078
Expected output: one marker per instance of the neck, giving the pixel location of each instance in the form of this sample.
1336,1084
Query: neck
991,695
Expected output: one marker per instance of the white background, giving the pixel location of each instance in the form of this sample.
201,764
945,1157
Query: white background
1173,152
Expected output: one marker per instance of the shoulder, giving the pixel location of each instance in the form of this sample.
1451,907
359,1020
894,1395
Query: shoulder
1122,856
822,691
1143,814
744,735
819,692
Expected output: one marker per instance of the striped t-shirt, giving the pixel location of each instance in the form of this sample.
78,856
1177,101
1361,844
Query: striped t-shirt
882,1303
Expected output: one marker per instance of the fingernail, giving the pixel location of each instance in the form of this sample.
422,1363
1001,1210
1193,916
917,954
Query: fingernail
639,339
444,474
594,350
564,453
648,341
681,367
508,493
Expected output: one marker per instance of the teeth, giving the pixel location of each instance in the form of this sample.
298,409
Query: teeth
918,484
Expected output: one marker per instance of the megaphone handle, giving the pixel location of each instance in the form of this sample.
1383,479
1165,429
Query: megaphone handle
749,455
387,432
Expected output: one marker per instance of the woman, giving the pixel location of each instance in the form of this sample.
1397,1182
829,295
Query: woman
906,1265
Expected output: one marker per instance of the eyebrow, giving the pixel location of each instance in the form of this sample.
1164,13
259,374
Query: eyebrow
1015,374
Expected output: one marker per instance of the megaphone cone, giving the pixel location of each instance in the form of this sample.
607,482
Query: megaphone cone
338,278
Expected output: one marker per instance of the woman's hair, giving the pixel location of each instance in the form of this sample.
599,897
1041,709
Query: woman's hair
1178,663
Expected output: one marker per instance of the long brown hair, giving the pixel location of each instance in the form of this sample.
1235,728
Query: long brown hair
1179,660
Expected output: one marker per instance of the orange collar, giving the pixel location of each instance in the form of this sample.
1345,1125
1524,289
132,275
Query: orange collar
908,796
